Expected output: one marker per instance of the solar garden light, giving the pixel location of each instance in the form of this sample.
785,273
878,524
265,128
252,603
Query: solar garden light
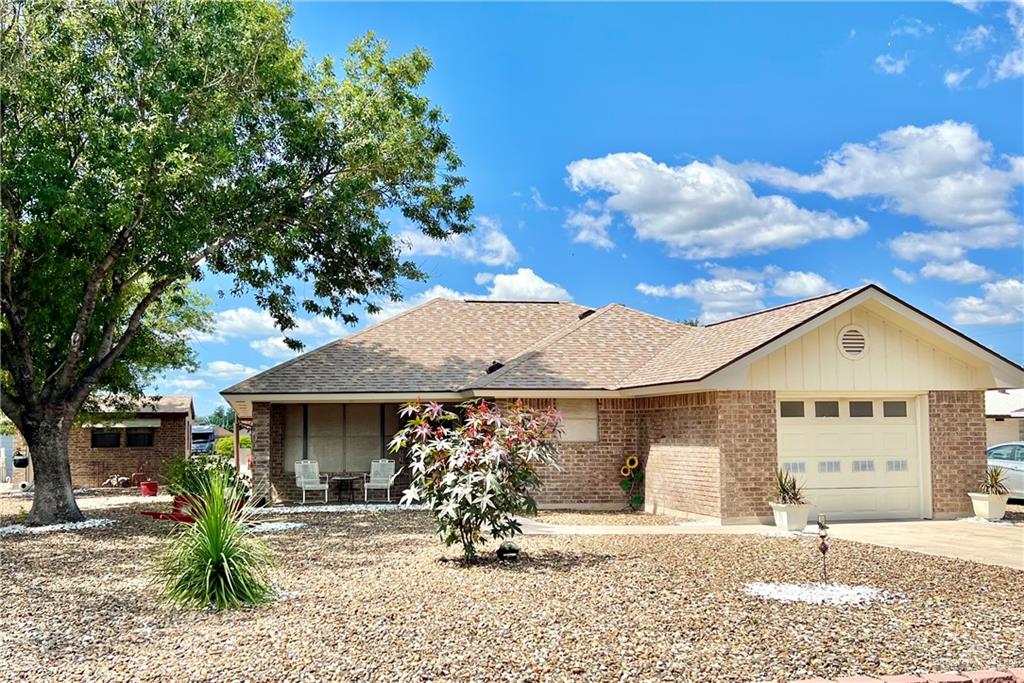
823,546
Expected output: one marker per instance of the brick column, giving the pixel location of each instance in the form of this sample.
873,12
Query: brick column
261,438
956,423
749,451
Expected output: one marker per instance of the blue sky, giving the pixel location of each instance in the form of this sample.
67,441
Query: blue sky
704,160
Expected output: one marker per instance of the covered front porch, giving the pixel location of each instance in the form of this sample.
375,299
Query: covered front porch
343,438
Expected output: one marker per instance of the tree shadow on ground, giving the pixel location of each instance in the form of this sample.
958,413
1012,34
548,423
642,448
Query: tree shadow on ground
530,563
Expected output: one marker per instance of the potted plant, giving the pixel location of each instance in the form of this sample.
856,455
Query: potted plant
990,502
789,507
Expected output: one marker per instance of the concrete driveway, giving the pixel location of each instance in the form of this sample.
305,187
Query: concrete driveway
999,544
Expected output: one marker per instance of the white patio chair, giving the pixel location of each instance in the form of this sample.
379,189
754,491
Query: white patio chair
382,472
308,478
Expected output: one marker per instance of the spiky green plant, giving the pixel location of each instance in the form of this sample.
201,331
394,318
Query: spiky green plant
993,482
787,491
217,561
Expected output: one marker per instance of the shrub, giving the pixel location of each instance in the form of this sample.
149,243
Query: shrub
186,475
225,446
217,561
475,469
994,482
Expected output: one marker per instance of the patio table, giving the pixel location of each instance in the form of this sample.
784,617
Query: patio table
346,485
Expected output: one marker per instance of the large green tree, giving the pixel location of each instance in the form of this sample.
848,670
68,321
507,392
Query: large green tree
146,144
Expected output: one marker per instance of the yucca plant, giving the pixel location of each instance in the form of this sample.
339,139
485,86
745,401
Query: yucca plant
217,561
787,491
992,484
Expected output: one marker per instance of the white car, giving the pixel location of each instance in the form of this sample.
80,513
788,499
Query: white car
1010,458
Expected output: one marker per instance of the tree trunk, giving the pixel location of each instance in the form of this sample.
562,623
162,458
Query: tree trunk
53,501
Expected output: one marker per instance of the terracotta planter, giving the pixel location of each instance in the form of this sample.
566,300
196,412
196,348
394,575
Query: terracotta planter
988,505
148,487
790,516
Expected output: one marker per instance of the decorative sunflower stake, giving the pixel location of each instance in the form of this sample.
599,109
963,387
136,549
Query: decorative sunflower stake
632,482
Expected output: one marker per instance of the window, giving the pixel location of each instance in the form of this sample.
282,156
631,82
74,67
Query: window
826,409
894,408
896,466
794,467
580,419
828,467
863,465
139,437
791,408
862,409
106,438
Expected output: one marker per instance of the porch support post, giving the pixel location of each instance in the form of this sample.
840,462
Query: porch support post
238,452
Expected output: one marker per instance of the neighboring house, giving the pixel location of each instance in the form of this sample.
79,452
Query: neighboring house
876,407
139,438
1004,415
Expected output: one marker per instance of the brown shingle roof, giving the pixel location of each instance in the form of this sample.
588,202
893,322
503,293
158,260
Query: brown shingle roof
598,352
698,355
439,346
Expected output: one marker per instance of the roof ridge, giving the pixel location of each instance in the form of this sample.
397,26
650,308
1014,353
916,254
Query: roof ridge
292,361
787,305
516,360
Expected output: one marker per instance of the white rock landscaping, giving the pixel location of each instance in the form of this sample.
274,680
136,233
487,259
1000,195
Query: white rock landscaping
271,527
816,593
16,529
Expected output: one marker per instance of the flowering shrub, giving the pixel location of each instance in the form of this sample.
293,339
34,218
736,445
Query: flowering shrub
475,469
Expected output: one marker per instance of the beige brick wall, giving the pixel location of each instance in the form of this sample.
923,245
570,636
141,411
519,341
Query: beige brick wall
90,467
749,450
678,438
956,421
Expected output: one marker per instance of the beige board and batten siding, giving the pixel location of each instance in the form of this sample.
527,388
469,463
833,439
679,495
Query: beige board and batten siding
900,357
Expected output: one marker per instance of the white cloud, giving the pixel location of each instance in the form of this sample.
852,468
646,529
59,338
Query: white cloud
800,285
903,276
892,65
538,201
184,384
953,79
911,26
974,39
1012,63
948,246
1002,304
488,244
273,347
959,271
223,369
944,174
591,224
523,285
734,291
969,5
253,322
699,210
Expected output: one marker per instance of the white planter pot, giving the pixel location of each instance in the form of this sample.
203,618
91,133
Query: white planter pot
790,516
988,505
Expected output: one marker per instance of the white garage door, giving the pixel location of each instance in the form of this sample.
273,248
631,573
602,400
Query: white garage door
856,458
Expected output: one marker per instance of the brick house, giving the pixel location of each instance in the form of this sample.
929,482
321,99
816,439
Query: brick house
133,440
876,407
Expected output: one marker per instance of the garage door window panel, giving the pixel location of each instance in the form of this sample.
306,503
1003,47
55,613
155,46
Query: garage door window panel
894,408
862,409
791,409
826,409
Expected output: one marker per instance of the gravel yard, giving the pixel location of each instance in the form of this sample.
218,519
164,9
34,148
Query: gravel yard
623,518
367,596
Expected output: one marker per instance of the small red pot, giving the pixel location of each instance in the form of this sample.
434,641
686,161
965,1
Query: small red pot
148,488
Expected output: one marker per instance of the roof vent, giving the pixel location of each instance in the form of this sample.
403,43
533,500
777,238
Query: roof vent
495,366
853,342
585,313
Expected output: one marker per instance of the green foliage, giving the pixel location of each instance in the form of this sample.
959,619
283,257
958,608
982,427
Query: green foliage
222,416
994,482
225,446
217,561
476,469
147,145
787,491
6,426
188,475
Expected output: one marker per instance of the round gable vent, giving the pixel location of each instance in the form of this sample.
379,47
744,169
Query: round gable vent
853,342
